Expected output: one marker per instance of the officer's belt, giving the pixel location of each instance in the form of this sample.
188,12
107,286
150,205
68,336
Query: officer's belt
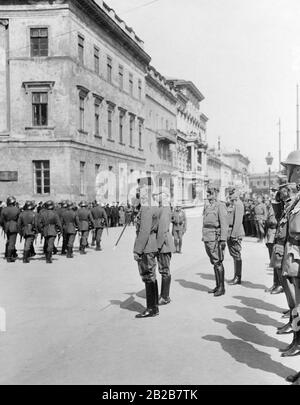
211,227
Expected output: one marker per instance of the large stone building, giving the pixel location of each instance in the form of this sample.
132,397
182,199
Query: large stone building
161,129
191,143
72,101
227,169
259,182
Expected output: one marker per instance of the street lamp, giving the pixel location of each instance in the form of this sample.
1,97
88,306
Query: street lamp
269,160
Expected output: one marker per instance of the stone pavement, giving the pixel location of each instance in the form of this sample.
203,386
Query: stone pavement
73,322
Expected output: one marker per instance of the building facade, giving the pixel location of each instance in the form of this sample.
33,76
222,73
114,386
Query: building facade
72,101
161,130
259,182
191,143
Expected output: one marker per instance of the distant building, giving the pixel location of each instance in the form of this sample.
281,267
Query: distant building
259,182
191,143
72,101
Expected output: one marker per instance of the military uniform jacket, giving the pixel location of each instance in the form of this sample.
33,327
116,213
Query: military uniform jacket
85,219
179,221
260,212
165,242
9,219
271,221
215,223
27,223
70,222
235,215
147,227
99,217
49,223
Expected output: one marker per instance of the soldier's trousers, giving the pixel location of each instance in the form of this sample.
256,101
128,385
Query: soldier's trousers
98,235
49,244
84,238
64,241
28,242
11,241
70,239
147,267
164,260
235,248
178,234
214,252
260,230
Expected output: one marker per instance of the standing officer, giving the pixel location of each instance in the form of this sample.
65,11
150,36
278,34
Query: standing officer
28,228
100,221
50,225
235,212
214,233
70,225
260,212
145,246
9,222
179,227
165,245
85,223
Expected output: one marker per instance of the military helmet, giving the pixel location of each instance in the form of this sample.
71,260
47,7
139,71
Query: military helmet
83,204
29,205
292,159
64,204
11,200
49,205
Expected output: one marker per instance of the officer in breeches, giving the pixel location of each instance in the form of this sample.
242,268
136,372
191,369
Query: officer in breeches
235,214
28,228
100,221
9,222
165,245
179,227
260,213
70,225
86,222
145,246
50,225
215,229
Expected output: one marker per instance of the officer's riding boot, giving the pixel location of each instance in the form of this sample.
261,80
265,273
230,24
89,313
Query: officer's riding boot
179,246
26,256
98,247
221,289
295,348
275,282
15,254
32,251
286,349
212,291
151,299
49,257
70,253
10,258
279,288
165,291
237,273
286,328
156,298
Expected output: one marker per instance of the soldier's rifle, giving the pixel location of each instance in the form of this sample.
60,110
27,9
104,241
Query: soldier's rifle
123,230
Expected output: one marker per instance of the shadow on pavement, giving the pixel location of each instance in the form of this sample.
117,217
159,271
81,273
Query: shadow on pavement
259,304
206,276
141,294
249,284
192,285
245,353
250,333
130,305
251,316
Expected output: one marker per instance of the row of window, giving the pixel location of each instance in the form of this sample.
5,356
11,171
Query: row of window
39,47
261,183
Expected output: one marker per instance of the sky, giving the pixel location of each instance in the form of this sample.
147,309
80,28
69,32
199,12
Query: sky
243,55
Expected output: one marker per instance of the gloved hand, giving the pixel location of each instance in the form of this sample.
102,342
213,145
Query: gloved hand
222,244
137,257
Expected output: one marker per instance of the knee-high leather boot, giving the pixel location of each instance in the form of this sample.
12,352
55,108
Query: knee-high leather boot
165,291
237,279
213,290
151,299
221,289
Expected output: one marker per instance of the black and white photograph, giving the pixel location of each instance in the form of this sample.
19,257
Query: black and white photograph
149,195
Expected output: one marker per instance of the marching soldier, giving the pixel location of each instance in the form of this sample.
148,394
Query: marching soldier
60,211
85,223
50,225
214,232
70,225
28,227
145,247
100,221
9,222
236,232
260,215
165,245
179,227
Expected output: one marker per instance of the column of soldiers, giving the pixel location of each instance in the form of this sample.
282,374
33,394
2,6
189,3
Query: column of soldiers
65,221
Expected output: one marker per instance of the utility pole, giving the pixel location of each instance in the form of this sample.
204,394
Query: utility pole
297,116
279,125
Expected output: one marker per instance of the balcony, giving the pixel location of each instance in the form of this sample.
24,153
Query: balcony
167,136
